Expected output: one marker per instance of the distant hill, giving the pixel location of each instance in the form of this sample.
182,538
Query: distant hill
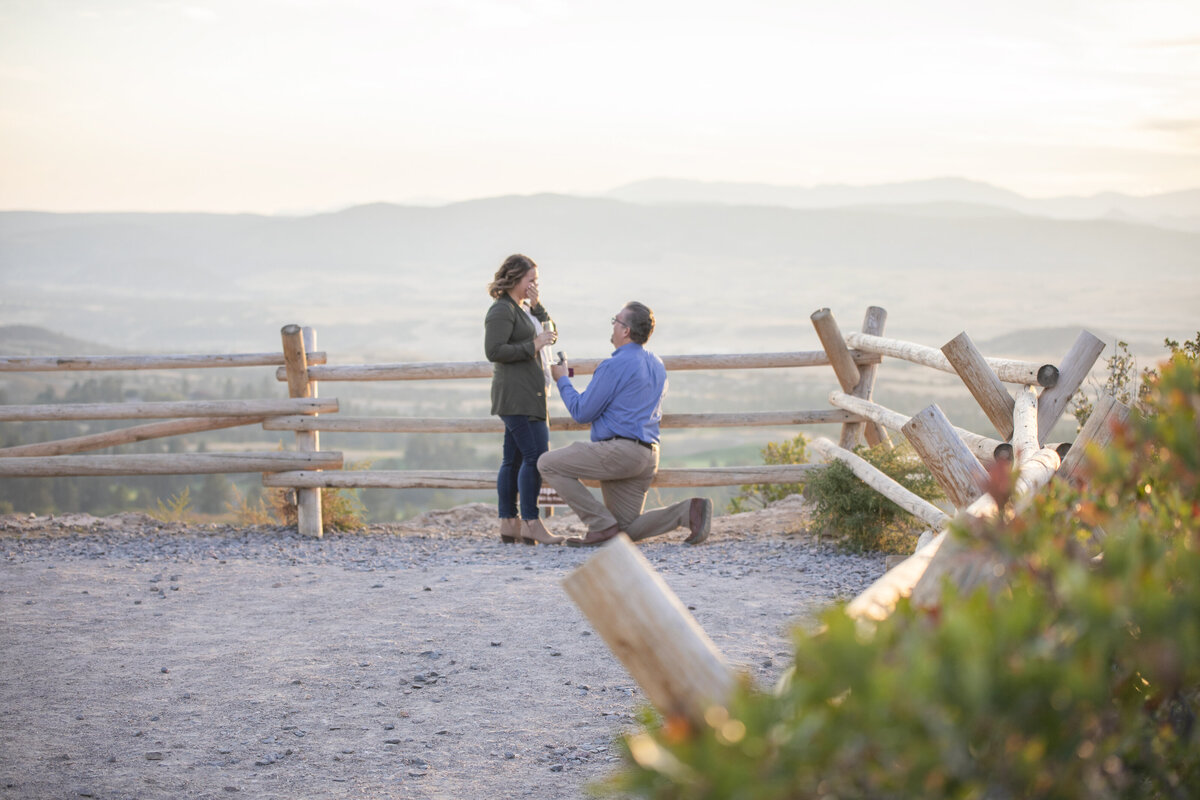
1037,343
1054,342
191,250
31,340
389,278
1178,210
944,210
937,190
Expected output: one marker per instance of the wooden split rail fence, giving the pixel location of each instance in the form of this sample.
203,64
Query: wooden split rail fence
855,359
645,624
307,468
628,603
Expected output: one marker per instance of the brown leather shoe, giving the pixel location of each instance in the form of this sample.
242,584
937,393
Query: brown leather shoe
594,538
699,520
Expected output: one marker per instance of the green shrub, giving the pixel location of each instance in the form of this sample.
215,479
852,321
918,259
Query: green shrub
1189,349
1123,381
759,495
860,518
1078,678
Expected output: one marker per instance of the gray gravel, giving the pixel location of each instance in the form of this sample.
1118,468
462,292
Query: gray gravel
146,659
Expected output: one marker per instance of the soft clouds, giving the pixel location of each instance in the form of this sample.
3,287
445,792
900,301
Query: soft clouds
262,104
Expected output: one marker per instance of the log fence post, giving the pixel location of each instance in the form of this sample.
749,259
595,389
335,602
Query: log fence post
1098,430
873,322
954,466
650,631
1075,366
296,343
981,380
844,368
1025,439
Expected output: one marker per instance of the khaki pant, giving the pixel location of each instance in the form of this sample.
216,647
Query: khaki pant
625,470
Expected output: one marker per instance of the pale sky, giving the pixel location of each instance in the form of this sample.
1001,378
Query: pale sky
302,105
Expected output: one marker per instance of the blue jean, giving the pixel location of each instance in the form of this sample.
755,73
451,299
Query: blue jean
525,440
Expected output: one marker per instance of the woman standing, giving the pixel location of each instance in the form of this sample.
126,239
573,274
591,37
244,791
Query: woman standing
516,329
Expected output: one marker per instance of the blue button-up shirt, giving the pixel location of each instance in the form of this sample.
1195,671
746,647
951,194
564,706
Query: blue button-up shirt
624,397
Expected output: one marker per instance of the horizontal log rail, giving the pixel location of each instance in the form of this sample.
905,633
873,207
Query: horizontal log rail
448,370
1008,370
486,479
858,355
168,409
135,433
167,464
340,424
82,363
983,447
919,507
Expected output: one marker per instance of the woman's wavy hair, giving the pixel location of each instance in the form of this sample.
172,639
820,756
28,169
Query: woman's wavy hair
510,274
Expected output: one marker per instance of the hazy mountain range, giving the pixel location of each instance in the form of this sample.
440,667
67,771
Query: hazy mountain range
727,268
937,196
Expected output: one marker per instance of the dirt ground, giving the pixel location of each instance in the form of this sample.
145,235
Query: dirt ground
145,660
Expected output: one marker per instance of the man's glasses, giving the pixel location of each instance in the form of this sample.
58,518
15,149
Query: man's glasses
619,322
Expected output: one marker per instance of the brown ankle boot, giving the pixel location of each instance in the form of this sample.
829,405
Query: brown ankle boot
533,530
510,530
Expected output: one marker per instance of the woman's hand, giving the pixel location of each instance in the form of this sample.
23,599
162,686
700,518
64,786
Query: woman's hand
544,338
531,294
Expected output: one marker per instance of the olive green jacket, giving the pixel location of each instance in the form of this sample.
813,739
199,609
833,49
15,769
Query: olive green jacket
518,382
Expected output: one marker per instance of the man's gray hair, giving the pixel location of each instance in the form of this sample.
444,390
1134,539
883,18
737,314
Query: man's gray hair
641,321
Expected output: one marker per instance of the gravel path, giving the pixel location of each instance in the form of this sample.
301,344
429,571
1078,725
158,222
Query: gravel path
147,660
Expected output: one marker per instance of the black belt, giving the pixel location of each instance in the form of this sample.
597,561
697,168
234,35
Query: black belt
647,445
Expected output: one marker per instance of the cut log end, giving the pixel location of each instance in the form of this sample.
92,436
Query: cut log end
290,330
1003,452
1047,376
650,631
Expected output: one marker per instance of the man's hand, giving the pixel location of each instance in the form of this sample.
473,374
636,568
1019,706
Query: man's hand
558,369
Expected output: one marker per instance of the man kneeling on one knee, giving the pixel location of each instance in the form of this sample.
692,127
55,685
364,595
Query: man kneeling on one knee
623,403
